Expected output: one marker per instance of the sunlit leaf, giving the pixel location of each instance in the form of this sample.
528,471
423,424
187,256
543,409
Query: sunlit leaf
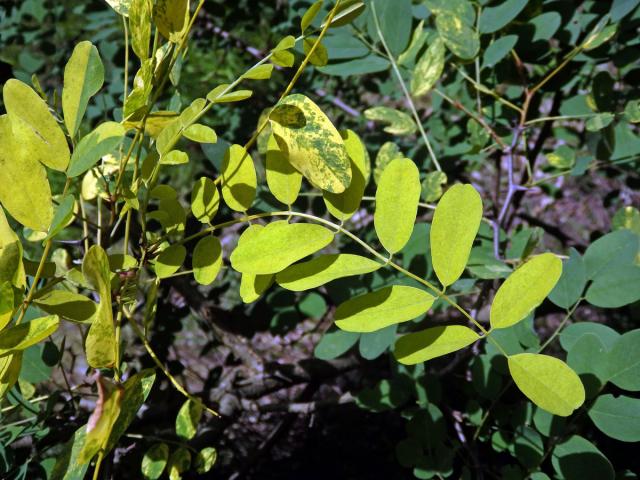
429,68
188,418
19,337
238,179
68,305
95,145
11,265
140,25
206,459
399,123
433,342
283,179
172,18
200,133
170,260
259,72
179,462
205,200
207,260
155,460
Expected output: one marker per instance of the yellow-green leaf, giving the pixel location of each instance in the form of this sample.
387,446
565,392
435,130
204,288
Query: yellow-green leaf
120,6
34,129
524,290
207,260
6,303
179,462
100,343
456,221
154,461
460,38
433,342
11,265
95,145
253,286
19,337
68,305
344,205
548,382
399,123
239,181
429,69
259,72
220,95
397,199
206,459
140,25
83,78
388,151
10,366
283,179
310,15
314,148
169,261
277,246
188,418
172,18
324,269
205,200
174,157
200,133
320,55
384,307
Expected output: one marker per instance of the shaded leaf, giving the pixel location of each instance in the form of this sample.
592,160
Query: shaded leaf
205,200
399,122
155,460
188,418
19,337
283,179
207,260
238,179
617,417
429,68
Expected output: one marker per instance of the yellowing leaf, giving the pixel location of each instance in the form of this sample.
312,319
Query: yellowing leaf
188,418
19,337
433,342
200,133
221,95
171,17
388,151
140,25
238,179
35,130
459,37
95,145
207,260
456,221
11,265
279,245
10,366
397,199
399,122
314,148
205,200
170,260
120,6
24,187
324,269
548,382
344,205
259,72
68,305
429,69
83,78
206,459
283,179
100,343
524,290
384,307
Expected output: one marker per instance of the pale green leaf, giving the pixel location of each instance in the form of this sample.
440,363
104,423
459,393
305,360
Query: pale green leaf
253,286
628,218
207,260
174,157
279,245
172,18
315,149
324,269
154,461
456,221
310,15
205,200
399,123
433,342
120,6
548,382
35,130
206,459
384,307
611,251
397,199
221,95
259,72
429,68
524,290
283,179
238,179
19,337
95,145
188,418
83,78
169,261
200,133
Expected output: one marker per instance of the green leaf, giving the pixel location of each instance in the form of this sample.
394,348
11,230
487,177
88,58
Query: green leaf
579,459
459,37
207,260
319,57
429,69
324,269
100,343
62,216
218,95
68,305
253,286
524,289
493,19
170,260
95,145
547,382
498,50
610,252
617,417
632,111
623,362
399,122
572,281
374,344
600,36
11,265
238,179
384,307
120,6
206,459
259,72
572,333
360,66
67,466
283,179
10,366
562,157
277,246
599,121
281,55
388,152
615,288
335,343
200,133
205,200
588,358
154,461
172,18
310,15
19,337
621,8
344,205
35,130
6,303
627,217
433,342
140,25
83,78
395,23
456,221
179,462
397,199
431,186
174,157
315,149
346,13
188,418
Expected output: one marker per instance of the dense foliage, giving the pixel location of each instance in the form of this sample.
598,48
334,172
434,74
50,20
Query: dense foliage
350,239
